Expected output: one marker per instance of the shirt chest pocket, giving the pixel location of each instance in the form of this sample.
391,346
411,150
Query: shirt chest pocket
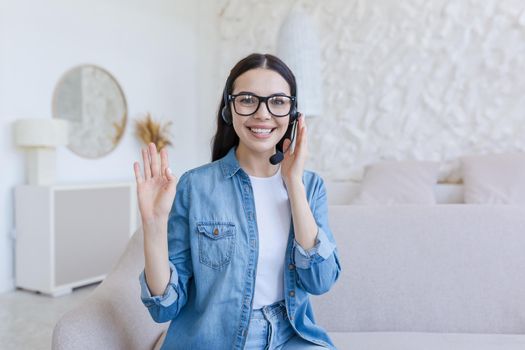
216,243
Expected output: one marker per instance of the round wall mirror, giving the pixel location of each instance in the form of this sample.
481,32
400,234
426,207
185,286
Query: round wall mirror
93,103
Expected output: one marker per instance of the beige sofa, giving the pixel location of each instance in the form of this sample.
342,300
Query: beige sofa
449,276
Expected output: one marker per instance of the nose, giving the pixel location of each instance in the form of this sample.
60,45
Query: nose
263,112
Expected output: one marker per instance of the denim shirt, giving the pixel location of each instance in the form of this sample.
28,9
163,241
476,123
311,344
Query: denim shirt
213,250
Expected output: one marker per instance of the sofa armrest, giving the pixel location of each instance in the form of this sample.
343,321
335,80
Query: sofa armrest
112,317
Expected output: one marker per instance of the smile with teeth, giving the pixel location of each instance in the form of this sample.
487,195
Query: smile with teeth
259,131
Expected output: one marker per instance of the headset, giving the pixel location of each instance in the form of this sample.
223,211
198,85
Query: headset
290,132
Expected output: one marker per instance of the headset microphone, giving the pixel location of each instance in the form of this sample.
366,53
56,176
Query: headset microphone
277,158
279,155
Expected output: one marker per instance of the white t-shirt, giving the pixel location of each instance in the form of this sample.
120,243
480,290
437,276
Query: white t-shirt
273,224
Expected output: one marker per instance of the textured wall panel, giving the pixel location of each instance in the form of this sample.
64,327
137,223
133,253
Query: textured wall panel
428,80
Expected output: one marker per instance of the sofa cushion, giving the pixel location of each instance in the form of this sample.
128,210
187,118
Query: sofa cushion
398,182
494,178
426,341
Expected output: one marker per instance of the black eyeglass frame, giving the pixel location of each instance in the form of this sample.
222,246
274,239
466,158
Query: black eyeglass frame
232,97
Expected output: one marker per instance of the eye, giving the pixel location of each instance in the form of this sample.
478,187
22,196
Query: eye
247,99
279,100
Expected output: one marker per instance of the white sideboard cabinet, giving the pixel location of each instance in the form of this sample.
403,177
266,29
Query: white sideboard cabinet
69,236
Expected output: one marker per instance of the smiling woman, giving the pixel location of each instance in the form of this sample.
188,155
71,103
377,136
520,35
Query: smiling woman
235,248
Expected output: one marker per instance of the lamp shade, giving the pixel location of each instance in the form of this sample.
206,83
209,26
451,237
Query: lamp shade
298,46
41,132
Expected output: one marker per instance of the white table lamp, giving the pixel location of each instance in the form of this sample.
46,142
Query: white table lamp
39,137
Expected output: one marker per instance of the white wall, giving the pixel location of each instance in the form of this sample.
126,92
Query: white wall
153,48
427,80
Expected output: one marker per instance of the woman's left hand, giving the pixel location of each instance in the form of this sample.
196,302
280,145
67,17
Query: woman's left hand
292,166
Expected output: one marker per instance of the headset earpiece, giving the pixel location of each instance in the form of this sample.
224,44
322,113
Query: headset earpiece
226,115
294,114
225,112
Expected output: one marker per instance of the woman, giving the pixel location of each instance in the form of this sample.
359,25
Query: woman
232,256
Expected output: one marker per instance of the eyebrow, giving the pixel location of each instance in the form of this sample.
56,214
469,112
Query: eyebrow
253,93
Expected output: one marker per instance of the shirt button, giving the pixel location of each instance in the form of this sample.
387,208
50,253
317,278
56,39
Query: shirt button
291,266
216,231
292,293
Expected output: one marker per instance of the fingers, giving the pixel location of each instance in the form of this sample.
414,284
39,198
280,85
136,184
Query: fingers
169,175
165,169
138,176
152,166
146,162
304,134
286,148
300,145
286,145
152,150
163,162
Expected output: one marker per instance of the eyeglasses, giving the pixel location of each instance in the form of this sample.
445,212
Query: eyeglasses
246,104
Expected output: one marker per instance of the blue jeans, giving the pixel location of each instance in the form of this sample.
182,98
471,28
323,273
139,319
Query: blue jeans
270,329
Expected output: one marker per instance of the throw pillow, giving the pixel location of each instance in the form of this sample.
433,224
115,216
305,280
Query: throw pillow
399,182
494,178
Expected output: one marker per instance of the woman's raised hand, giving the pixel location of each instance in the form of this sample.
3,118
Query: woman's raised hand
292,166
156,189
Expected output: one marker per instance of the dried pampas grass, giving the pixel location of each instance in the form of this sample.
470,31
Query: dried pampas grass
149,130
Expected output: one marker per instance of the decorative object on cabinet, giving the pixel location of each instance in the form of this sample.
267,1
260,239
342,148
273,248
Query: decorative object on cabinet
149,130
69,236
91,99
39,137
298,46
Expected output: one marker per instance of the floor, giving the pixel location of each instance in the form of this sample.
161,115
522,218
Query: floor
27,319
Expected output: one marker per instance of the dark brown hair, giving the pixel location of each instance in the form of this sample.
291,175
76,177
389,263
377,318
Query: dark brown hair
225,137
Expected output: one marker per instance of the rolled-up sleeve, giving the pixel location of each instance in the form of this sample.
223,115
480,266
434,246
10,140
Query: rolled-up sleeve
322,250
318,268
170,294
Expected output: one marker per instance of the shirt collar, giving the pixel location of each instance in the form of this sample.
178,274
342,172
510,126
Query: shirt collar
229,163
